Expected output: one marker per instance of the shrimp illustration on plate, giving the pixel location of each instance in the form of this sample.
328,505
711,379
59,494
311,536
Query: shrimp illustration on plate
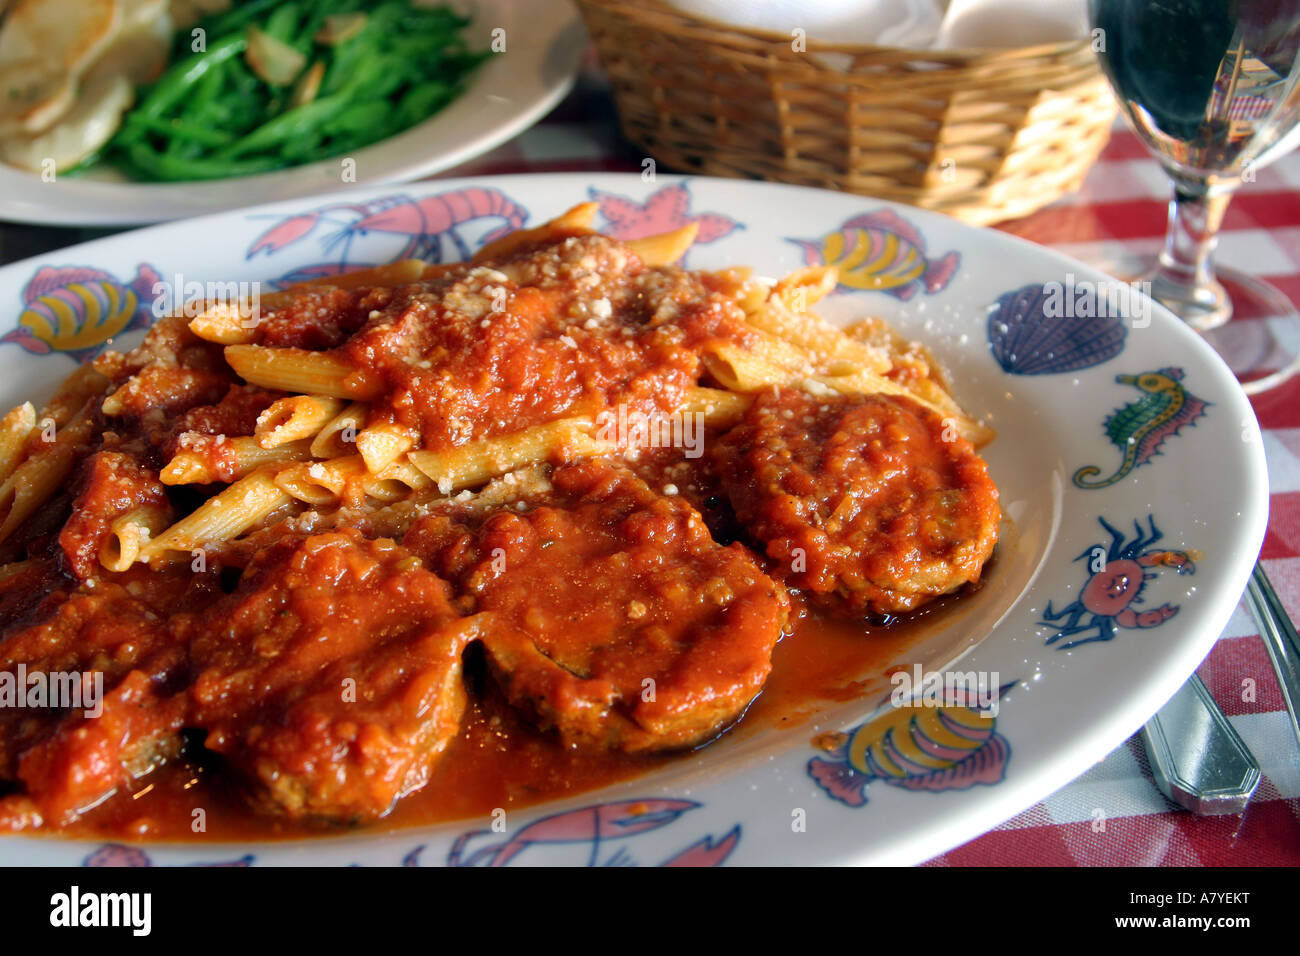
588,831
432,228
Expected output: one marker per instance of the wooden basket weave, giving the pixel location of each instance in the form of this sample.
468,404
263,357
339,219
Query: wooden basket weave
983,136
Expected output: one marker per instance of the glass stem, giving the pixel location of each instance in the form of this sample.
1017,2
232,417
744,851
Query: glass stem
1184,276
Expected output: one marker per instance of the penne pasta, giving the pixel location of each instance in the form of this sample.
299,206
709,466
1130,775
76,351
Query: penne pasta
227,459
221,518
301,370
346,481
296,417
806,286
820,341
15,430
577,219
664,248
129,534
401,272
43,472
396,482
741,370
228,323
381,445
468,465
339,436
721,408
320,483
78,388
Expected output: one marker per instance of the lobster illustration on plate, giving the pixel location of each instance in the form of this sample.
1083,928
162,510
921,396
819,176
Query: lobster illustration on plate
429,226
1115,587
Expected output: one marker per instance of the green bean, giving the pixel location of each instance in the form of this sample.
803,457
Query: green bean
210,116
171,168
178,129
282,23
178,80
239,16
287,125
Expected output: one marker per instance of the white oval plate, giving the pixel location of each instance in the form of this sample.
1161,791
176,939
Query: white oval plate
1079,667
510,92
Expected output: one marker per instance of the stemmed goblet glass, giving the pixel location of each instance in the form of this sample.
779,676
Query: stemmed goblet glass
1212,88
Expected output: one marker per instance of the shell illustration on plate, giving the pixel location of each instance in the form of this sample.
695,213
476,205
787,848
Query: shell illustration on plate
1031,335
881,252
77,310
953,746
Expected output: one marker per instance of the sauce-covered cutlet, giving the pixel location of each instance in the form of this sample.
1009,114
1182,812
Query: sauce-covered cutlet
870,504
614,616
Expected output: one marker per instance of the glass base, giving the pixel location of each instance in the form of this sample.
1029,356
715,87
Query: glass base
1259,338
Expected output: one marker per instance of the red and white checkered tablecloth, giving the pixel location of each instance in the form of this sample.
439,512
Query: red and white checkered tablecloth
1121,211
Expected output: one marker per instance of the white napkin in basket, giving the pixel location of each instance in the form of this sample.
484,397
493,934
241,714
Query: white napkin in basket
918,24
909,23
989,24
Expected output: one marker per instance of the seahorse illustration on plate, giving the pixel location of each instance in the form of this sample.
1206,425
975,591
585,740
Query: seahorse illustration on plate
1139,428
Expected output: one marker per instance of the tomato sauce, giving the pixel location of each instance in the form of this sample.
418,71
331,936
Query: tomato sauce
312,677
501,761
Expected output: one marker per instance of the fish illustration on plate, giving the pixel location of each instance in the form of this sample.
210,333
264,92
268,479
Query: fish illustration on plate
77,310
952,746
1139,428
881,252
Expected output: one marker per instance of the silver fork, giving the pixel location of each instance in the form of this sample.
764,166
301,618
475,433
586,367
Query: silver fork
1198,760
1280,639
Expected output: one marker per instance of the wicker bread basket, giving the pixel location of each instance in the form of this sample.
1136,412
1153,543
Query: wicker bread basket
983,136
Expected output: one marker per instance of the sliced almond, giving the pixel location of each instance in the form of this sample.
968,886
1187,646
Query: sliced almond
86,127
273,60
341,27
308,85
